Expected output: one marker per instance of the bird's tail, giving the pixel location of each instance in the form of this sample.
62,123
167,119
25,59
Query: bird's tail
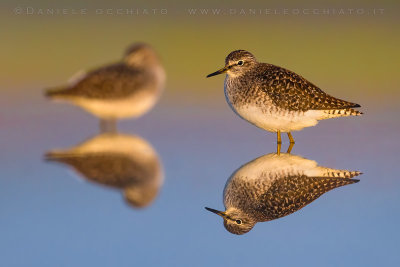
57,92
335,113
331,183
61,156
328,172
54,156
321,171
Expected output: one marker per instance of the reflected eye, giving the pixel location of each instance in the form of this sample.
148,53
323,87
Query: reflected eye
240,63
238,221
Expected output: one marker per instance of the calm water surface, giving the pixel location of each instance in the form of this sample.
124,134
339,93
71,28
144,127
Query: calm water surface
54,216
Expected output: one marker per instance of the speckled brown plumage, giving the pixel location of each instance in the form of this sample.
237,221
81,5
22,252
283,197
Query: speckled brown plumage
285,88
267,201
276,99
289,194
111,82
126,89
124,162
273,186
111,169
290,91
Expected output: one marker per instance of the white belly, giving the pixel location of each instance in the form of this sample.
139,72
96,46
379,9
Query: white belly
133,106
277,120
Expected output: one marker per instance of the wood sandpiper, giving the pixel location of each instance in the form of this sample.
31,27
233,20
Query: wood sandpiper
121,161
276,99
128,88
273,186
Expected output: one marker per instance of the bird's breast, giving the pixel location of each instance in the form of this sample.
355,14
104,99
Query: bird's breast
252,103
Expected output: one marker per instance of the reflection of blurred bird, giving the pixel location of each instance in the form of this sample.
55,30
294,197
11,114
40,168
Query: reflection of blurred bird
116,160
121,90
273,186
276,99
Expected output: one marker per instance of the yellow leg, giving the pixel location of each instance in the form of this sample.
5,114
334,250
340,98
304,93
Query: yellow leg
278,140
290,148
108,126
290,137
278,148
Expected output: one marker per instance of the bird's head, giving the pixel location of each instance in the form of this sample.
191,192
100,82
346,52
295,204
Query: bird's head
237,63
141,55
235,221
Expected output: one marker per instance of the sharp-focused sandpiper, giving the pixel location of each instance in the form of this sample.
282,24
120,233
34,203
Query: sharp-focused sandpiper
276,99
121,90
116,160
273,186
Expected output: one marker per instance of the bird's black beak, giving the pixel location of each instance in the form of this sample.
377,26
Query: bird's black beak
220,213
223,70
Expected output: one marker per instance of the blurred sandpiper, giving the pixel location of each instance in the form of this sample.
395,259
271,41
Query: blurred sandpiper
276,99
128,88
121,161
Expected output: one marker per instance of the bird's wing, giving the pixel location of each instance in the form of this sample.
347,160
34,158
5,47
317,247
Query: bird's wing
291,193
110,169
289,90
113,81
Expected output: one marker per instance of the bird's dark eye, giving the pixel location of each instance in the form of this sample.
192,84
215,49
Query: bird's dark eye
240,63
238,221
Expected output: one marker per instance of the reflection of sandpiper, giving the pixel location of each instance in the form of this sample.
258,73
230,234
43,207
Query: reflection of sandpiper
273,186
125,89
116,160
276,99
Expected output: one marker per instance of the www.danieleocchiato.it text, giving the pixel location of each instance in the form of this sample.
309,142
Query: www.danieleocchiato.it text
285,11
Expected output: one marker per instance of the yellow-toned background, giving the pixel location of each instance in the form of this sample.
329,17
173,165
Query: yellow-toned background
350,56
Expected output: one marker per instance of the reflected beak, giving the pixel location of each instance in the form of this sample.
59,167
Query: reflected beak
220,213
223,70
